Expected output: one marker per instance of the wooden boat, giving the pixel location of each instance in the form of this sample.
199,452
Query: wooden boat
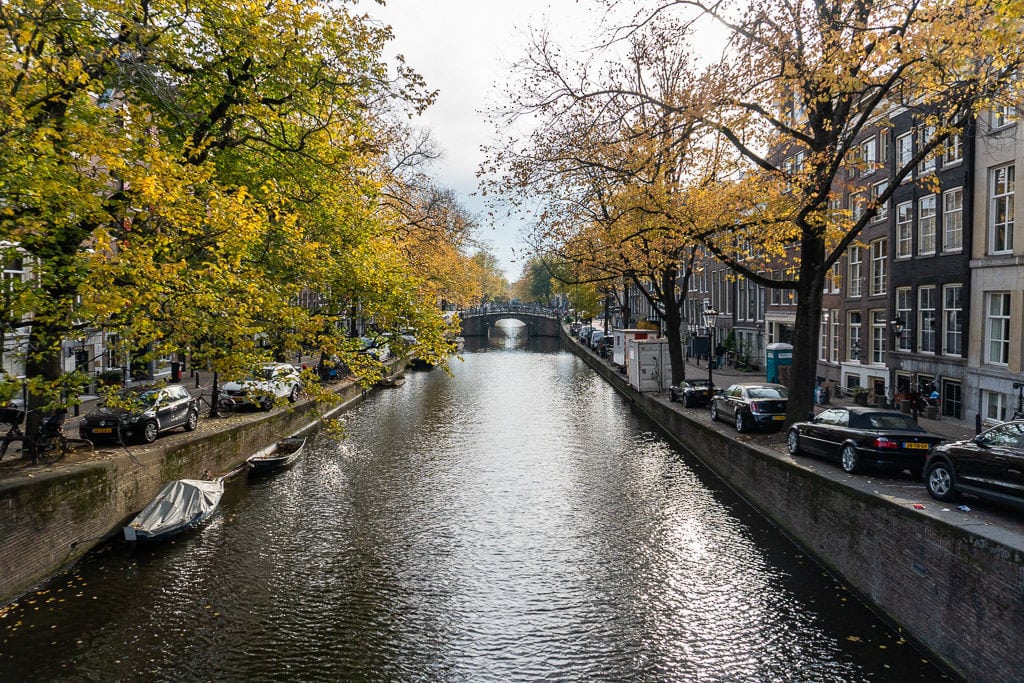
280,455
182,504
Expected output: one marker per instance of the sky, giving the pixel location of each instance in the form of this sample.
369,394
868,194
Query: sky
463,49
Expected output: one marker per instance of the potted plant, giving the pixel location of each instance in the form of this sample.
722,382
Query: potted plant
860,396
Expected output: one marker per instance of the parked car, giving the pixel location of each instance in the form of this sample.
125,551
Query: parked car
595,338
752,404
991,465
604,347
272,381
585,333
692,393
141,413
858,437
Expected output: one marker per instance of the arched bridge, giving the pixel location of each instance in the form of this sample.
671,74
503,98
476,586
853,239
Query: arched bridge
539,321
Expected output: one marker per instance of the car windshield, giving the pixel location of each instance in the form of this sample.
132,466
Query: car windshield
265,373
893,421
766,392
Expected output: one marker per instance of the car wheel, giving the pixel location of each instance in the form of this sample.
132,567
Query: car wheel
192,421
850,459
687,403
714,411
266,404
150,431
294,395
671,396
941,481
793,442
741,421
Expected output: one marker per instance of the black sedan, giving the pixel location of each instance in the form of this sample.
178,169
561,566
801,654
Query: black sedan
991,465
752,404
692,393
141,413
858,438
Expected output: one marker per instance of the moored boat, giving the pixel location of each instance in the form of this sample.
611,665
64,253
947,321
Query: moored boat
280,455
182,504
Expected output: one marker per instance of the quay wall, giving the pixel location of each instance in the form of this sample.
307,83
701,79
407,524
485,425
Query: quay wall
52,517
957,592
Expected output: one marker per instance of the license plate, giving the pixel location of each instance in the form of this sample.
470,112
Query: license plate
102,430
914,444
778,417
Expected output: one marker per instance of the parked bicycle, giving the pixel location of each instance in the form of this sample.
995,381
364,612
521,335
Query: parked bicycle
51,444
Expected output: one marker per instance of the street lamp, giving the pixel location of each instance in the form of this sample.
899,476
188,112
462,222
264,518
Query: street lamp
710,318
897,327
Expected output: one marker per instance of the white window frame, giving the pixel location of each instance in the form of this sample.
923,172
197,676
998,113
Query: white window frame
904,310
879,334
926,228
952,319
924,134
854,336
1003,115
854,272
879,266
926,320
883,209
997,328
1002,181
904,229
904,150
953,152
953,219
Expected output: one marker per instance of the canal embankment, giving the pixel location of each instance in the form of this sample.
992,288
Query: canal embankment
53,515
957,589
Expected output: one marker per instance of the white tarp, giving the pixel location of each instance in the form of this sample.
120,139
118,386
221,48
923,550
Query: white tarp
179,504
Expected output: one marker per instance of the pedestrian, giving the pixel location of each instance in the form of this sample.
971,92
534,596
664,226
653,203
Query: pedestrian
719,352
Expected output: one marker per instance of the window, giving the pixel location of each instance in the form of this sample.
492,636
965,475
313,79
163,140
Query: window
904,229
952,320
823,330
879,275
997,328
879,332
954,150
832,280
951,395
1003,115
924,136
853,330
926,225
1000,236
994,405
883,148
857,204
868,156
903,312
854,274
904,150
926,320
883,208
953,219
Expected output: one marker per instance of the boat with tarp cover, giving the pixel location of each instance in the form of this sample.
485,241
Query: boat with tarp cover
182,504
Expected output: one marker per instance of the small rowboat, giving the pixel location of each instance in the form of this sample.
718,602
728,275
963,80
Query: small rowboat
182,504
280,455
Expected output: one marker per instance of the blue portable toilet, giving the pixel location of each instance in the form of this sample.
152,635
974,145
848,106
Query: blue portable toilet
776,356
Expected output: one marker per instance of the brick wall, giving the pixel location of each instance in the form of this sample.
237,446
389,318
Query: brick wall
959,593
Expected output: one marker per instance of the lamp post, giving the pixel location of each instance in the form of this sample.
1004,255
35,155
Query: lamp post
710,318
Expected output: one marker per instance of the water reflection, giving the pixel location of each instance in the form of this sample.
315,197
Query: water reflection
514,521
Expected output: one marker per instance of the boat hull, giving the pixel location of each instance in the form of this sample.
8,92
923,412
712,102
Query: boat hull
279,456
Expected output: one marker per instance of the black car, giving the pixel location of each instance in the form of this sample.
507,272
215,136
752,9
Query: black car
752,404
141,414
991,465
692,393
857,438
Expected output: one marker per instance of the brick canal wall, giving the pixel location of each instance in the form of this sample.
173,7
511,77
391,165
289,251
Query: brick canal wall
958,592
50,519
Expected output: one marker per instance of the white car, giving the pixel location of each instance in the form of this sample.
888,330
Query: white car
271,382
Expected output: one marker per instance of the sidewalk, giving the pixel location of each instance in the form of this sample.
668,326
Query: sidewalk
951,428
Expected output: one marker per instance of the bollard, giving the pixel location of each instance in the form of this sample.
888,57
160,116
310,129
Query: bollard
977,423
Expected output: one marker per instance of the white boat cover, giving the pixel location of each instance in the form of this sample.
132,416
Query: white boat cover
180,503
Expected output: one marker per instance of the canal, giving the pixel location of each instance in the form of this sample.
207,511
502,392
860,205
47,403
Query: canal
514,522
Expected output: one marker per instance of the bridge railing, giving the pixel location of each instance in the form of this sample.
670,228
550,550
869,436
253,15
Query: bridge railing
511,309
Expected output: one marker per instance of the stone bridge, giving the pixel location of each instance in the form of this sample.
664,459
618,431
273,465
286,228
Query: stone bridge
539,321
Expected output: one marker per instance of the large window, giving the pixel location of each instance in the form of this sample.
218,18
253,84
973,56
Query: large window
954,150
904,150
1000,235
926,225
997,328
926,315
854,271
869,156
883,208
1002,115
924,136
854,339
857,204
879,332
833,355
953,219
994,405
904,229
953,320
904,310
879,266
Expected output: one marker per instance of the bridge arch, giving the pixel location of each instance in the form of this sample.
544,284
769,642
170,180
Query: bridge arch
539,321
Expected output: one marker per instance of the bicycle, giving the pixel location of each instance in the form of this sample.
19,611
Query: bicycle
52,440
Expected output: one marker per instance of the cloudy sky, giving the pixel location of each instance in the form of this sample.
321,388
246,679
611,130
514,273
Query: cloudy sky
463,49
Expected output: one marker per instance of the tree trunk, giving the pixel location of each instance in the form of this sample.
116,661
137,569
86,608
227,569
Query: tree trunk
806,330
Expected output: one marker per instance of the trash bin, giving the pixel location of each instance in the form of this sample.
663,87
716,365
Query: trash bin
777,355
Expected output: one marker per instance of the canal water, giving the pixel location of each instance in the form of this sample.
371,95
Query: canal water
514,521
